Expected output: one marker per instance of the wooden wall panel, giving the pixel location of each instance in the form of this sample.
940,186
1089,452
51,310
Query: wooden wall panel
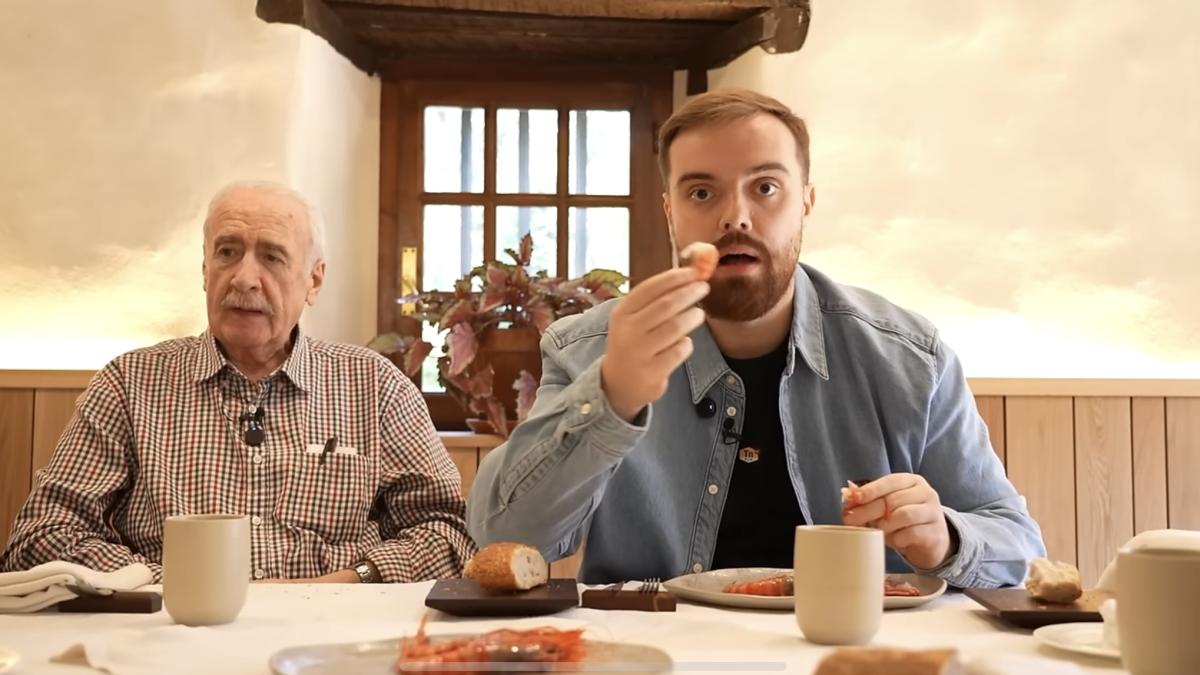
1040,448
1149,464
1183,462
467,461
991,409
567,568
52,409
1103,482
16,447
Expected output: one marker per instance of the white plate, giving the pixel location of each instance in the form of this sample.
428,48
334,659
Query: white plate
8,660
1081,638
706,587
380,658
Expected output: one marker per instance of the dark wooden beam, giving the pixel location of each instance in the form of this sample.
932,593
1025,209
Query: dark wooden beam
318,18
715,10
778,31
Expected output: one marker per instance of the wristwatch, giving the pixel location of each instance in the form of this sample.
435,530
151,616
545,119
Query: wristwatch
367,573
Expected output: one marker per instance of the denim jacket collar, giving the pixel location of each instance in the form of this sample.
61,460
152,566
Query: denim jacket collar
706,364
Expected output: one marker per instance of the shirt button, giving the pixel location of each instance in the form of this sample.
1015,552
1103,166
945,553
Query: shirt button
585,409
257,459
713,489
697,568
258,573
730,380
256,520
731,411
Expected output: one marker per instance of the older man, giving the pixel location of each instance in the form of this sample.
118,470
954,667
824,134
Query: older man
328,448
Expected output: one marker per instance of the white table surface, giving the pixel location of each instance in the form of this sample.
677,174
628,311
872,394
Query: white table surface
283,615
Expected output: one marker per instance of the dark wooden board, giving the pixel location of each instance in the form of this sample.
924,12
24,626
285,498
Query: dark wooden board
1017,607
463,597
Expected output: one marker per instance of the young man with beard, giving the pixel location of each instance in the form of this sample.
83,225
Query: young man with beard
678,438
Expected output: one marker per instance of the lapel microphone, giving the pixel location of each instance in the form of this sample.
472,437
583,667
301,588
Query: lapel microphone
254,435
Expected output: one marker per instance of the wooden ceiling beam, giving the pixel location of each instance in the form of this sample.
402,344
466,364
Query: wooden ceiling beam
778,31
711,10
321,20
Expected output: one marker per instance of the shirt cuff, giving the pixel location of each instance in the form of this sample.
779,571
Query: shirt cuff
959,569
588,409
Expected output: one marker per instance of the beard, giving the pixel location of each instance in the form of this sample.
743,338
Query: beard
748,297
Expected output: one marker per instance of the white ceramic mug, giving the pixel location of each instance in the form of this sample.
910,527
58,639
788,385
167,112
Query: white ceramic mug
1158,611
839,576
206,567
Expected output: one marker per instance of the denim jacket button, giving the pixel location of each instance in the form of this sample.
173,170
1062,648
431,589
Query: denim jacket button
713,489
731,411
697,568
585,409
730,380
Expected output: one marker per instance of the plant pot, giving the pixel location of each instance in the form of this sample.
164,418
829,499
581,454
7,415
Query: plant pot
509,351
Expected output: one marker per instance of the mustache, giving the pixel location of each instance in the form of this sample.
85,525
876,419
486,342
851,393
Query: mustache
248,301
743,239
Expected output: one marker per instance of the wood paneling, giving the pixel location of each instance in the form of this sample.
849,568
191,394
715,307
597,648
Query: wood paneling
52,409
991,409
467,461
16,447
1040,438
1149,419
1103,481
1183,462
567,568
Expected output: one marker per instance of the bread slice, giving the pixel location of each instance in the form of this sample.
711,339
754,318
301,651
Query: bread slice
507,566
1053,581
873,660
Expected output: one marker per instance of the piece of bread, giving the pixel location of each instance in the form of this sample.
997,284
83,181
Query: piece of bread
701,255
507,566
1053,581
873,660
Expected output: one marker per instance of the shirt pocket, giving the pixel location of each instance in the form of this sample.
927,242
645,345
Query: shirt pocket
331,499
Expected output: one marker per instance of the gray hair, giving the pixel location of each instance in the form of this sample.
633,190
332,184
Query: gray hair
316,222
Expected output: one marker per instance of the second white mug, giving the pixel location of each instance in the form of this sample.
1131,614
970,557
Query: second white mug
206,567
839,574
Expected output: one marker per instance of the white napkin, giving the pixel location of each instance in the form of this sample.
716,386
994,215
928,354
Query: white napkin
1182,540
1014,664
38,588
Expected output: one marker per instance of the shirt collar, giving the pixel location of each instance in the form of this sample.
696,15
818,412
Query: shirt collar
706,364
210,360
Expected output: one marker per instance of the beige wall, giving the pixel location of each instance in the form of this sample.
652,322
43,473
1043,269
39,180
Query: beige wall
1026,174
119,121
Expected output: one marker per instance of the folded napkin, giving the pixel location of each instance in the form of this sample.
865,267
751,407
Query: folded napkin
38,588
1177,540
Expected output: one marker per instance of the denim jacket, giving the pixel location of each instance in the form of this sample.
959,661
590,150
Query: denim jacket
869,389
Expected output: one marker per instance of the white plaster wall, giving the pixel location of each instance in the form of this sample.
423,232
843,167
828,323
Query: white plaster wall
1026,174
119,120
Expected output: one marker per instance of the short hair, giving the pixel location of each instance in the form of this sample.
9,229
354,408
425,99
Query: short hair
316,222
724,106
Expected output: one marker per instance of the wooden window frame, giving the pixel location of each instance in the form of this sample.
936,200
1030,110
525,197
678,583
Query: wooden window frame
408,88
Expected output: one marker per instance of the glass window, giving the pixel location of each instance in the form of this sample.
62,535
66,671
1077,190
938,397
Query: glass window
453,149
526,151
599,156
514,222
453,244
599,239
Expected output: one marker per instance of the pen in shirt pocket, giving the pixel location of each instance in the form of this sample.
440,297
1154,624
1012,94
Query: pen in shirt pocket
329,446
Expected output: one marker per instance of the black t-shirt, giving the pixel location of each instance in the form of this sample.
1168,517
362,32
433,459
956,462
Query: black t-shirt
758,525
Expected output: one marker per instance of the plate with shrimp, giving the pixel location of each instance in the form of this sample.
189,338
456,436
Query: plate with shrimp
543,649
771,588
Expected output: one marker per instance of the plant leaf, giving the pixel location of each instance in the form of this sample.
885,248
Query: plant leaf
494,411
459,312
415,357
492,298
526,388
516,258
461,346
526,250
388,343
541,314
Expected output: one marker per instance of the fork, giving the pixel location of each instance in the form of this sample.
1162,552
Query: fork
650,586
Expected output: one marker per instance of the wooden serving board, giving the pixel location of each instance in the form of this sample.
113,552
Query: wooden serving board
1017,607
463,597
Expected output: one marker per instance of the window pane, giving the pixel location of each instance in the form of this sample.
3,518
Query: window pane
453,244
599,152
514,222
526,151
453,149
599,239
429,374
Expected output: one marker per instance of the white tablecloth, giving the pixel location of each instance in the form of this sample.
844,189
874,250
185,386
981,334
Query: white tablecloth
283,615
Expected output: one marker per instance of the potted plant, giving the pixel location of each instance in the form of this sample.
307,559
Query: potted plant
493,321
